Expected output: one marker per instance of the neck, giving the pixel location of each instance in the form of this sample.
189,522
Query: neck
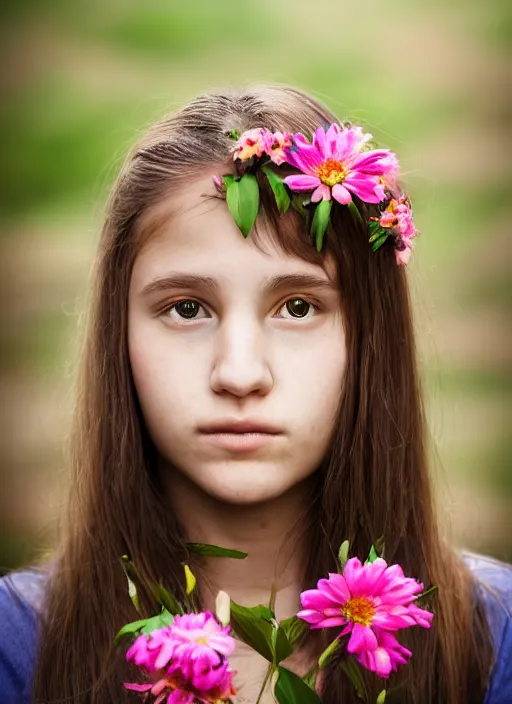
272,533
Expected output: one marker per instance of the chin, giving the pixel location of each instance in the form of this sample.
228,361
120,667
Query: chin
256,486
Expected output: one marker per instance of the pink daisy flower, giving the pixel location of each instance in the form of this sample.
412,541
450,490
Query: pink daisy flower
371,601
189,658
398,215
334,165
250,143
275,144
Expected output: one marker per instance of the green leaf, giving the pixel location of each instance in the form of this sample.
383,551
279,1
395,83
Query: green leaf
294,627
298,203
129,571
343,553
381,698
311,676
320,222
167,600
281,645
215,551
278,187
372,555
326,656
253,626
377,231
243,199
228,179
156,622
233,134
355,211
351,669
378,243
190,580
379,546
291,689
130,629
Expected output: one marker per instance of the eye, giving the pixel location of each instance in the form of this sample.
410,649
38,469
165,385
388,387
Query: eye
297,308
186,309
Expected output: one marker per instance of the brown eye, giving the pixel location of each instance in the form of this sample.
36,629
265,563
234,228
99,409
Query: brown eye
187,309
298,307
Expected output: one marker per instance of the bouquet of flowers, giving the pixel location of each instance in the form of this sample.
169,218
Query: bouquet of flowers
183,654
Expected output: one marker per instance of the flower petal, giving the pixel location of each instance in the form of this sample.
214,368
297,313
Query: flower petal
137,687
320,141
362,638
336,586
323,192
302,182
341,194
378,661
368,188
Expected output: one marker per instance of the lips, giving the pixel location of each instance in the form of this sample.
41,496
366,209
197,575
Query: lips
239,426
237,436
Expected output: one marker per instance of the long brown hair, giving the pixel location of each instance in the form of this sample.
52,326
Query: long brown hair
374,481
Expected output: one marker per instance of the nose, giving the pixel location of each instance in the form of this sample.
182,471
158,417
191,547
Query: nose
241,363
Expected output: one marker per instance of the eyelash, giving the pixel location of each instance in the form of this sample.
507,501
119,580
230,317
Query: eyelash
315,305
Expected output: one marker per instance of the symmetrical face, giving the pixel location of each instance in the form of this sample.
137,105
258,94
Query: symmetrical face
238,354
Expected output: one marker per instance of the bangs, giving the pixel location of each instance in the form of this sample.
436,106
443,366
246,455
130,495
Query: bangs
288,231
345,243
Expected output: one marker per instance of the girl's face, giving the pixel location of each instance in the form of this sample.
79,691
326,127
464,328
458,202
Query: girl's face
237,354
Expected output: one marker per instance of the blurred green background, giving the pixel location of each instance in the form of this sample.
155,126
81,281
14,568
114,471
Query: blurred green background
81,80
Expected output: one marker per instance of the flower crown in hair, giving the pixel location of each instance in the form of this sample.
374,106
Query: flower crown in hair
336,163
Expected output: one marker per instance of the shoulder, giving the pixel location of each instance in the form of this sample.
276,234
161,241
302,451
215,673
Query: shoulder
21,597
493,581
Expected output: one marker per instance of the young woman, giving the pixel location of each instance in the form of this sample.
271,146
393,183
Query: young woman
252,393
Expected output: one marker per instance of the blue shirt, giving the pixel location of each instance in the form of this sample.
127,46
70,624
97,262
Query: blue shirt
18,628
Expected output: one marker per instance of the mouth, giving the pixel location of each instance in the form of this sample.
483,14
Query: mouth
240,435
239,427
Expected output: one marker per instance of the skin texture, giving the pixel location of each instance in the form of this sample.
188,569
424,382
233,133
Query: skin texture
243,356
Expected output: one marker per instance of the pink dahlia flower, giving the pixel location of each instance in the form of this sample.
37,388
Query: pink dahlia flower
398,215
275,144
202,646
189,658
371,601
335,165
250,143
141,655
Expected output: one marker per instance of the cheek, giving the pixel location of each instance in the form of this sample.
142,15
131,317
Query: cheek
315,381
316,374
166,378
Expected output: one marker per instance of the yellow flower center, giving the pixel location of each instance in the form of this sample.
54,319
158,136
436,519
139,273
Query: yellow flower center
331,172
202,640
359,610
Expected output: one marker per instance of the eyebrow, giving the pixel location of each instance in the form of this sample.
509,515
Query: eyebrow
209,285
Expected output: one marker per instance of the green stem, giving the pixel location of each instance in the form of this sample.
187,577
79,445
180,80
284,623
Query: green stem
265,682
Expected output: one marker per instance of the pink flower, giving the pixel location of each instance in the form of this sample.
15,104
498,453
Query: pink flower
335,165
202,646
403,256
189,658
141,655
275,144
398,215
371,601
250,143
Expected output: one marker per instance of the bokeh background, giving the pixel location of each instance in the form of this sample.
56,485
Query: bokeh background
82,79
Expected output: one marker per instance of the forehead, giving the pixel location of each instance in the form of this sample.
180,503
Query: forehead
193,231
